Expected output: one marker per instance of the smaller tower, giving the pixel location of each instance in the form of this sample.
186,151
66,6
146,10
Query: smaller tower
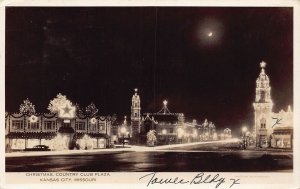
135,116
135,107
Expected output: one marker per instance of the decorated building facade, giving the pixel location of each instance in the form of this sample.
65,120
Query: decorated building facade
270,129
64,129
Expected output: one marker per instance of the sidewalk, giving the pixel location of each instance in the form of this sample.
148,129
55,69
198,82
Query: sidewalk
269,149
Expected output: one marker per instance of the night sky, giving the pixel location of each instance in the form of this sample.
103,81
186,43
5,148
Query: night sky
101,54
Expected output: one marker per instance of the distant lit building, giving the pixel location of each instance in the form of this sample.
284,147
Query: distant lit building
270,129
170,127
207,131
282,136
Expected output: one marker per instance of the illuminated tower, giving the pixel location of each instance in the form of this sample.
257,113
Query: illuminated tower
263,109
135,116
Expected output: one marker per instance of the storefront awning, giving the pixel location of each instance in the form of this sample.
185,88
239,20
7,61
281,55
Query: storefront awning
31,135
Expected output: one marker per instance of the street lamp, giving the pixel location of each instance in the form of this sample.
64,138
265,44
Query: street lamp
244,131
222,136
164,132
206,136
180,133
215,136
248,138
195,134
123,131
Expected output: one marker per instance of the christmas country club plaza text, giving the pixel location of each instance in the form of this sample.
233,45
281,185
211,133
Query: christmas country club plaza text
67,174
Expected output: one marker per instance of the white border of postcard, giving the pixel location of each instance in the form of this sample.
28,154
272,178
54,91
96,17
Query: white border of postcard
131,180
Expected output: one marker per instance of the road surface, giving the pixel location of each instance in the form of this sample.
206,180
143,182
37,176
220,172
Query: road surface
155,161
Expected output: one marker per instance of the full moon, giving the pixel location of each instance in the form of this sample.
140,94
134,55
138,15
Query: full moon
210,34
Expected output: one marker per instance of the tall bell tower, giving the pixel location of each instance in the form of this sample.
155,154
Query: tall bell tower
135,116
263,109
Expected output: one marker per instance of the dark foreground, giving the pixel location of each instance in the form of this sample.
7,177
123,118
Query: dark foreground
234,161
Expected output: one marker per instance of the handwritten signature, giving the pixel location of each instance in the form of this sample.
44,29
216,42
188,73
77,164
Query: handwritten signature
200,178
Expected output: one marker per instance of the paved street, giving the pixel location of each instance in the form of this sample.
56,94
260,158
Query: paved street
182,159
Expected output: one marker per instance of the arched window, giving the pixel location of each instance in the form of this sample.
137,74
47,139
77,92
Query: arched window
262,96
263,123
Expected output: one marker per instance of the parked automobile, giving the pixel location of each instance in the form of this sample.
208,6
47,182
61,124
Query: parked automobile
38,148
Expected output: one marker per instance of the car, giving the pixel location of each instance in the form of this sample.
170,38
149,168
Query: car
38,148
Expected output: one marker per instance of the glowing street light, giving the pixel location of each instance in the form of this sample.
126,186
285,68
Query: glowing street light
222,136
206,136
180,132
244,131
215,136
123,131
195,136
195,133
164,132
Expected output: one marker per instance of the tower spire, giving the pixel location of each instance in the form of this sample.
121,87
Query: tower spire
263,89
135,106
263,64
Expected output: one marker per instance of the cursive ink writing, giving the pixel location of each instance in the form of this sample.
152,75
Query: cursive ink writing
155,180
234,181
200,178
277,121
